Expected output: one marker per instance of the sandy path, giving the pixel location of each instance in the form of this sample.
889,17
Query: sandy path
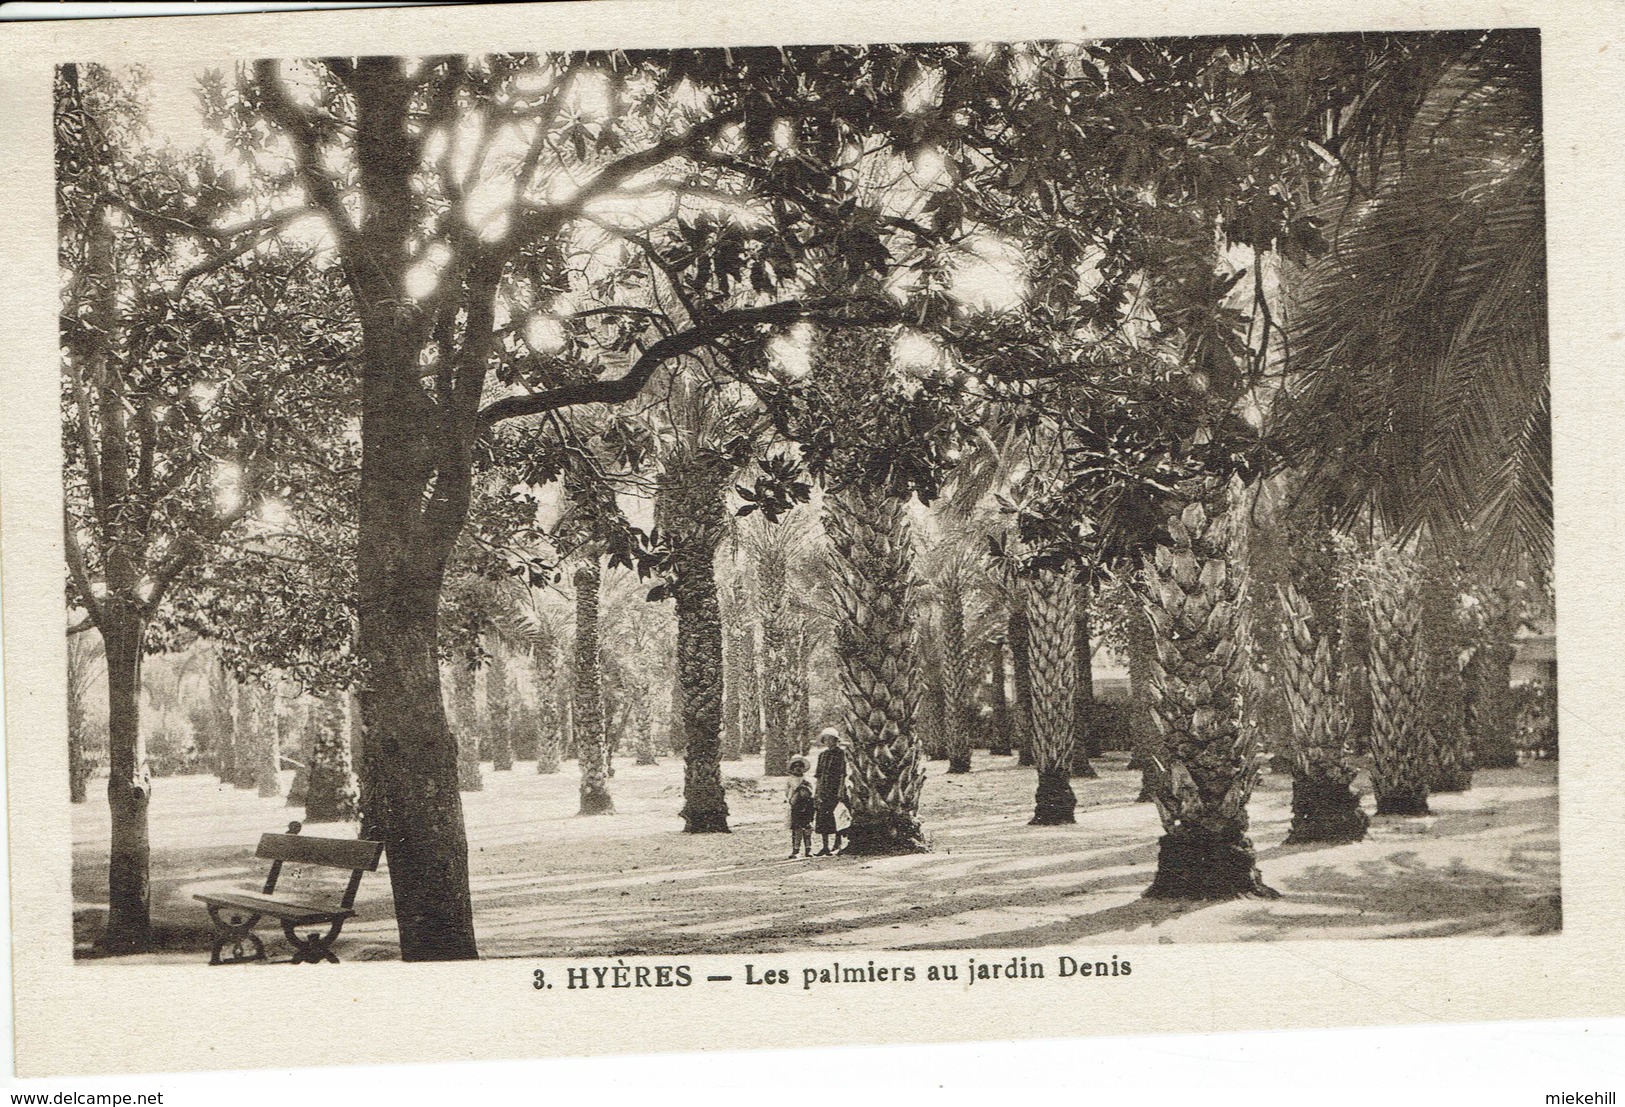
547,883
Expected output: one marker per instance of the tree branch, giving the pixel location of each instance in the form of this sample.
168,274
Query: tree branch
620,389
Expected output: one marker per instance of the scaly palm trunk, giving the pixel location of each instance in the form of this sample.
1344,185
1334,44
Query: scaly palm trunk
959,718
1052,626
549,709
1491,716
643,721
587,707
1396,677
733,685
1324,806
875,651
1021,667
1451,755
999,745
460,686
331,793
1142,659
776,660
801,692
1083,702
498,707
1209,766
690,510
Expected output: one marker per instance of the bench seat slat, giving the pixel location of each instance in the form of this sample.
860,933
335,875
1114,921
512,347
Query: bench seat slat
296,913
337,853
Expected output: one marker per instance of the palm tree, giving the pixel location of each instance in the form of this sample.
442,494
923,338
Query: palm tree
1444,640
690,513
498,704
1324,806
461,709
1419,341
1207,767
1391,594
1487,675
871,586
774,546
1083,702
1049,599
953,570
587,703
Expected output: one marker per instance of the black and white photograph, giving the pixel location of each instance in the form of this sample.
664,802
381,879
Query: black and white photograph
941,513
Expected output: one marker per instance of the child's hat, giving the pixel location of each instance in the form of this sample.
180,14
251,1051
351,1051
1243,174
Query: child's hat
798,760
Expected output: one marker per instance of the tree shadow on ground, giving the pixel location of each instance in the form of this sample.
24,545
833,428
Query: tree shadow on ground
1428,901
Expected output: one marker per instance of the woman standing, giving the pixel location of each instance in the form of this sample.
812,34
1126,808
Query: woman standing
830,789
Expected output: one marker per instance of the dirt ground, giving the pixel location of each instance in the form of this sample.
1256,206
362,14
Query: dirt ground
549,883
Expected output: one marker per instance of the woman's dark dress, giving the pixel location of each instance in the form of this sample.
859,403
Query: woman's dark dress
831,777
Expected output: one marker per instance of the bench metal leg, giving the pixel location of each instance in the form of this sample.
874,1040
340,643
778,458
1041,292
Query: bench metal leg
314,947
234,928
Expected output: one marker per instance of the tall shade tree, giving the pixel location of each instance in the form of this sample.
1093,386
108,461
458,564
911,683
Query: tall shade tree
452,189
179,407
587,702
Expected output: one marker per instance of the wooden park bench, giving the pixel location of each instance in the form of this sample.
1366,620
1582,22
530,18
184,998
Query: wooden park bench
235,914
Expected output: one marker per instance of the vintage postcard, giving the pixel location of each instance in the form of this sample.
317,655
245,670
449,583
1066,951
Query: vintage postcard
638,526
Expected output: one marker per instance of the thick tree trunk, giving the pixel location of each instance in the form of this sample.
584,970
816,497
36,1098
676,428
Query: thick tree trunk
750,688
412,506
268,756
1202,798
801,692
1049,605
959,717
1084,745
331,794
1021,666
129,790
699,669
875,650
999,745
587,707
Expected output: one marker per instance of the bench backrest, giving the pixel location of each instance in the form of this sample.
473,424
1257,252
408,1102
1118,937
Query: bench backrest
356,854
335,853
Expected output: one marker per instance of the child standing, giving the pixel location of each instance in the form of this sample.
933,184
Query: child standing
798,793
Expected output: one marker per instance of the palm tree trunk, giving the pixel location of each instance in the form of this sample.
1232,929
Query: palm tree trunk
498,707
1491,717
733,685
1324,805
1021,666
1451,768
1142,661
999,746
1195,591
464,718
1083,704
1397,676
875,652
587,706
959,717
776,661
1052,626
550,708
